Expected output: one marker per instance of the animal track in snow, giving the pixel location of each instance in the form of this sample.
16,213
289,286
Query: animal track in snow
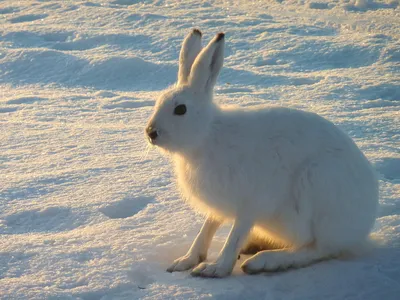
50,66
125,208
91,4
391,53
25,100
8,109
311,31
389,168
70,41
47,219
27,18
105,94
125,2
314,56
229,90
145,17
363,6
127,104
125,73
25,39
116,40
235,76
384,91
12,264
8,10
318,5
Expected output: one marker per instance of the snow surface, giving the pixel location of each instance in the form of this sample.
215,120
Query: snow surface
88,211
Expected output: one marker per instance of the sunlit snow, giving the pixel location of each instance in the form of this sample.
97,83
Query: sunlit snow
89,211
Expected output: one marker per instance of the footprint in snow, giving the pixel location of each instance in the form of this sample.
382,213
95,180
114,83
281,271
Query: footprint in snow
87,42
12,264
311,31
125,208
8,10
8,109
384,91
315,56
319,5
91,4
125,2
128,104
27,18
25,100
49,219
25,39
389,168
105,94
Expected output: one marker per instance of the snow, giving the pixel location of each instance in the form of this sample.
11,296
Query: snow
89,211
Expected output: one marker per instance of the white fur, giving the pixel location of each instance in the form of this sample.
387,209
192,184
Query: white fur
288,176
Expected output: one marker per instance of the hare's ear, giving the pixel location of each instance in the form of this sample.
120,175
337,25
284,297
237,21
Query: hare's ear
208,63
191,47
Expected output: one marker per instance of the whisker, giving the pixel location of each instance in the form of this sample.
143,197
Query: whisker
145,152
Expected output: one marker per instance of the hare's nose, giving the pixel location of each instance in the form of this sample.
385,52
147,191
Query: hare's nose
152,133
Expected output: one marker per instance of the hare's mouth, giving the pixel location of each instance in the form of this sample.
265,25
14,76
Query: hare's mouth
155,138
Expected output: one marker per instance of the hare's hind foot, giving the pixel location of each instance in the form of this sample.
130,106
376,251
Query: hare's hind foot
281,260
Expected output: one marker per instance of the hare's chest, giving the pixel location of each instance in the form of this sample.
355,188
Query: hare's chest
209,186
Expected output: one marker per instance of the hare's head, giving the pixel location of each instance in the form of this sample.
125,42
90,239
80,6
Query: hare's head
183,114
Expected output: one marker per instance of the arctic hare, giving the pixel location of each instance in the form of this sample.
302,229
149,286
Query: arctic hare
283,175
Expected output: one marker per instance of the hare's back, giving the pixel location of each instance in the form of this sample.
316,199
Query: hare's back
273,126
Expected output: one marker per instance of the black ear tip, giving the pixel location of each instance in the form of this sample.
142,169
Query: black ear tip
197,31
220,36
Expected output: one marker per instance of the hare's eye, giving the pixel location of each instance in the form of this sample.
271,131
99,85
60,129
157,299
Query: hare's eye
180,110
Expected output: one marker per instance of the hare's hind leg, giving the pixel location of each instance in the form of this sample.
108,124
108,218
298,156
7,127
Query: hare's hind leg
281,260
256,244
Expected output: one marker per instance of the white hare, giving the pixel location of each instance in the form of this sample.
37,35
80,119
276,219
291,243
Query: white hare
282,176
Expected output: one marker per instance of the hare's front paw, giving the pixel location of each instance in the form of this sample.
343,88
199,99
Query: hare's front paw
185,262
211,270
